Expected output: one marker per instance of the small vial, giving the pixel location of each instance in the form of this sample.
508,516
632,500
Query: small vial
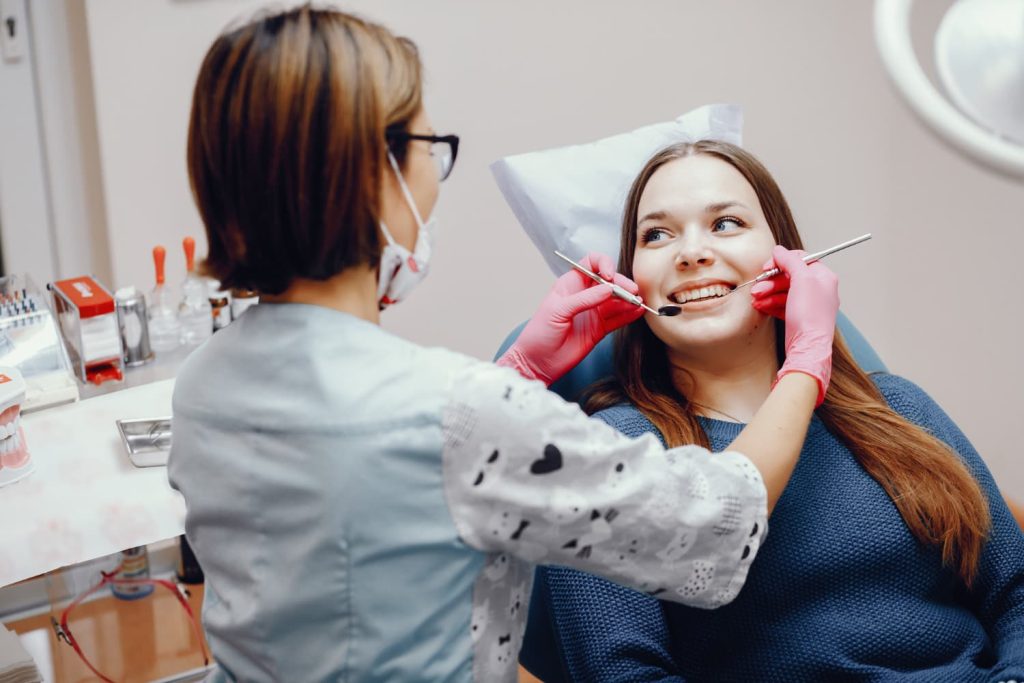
220,304
242,299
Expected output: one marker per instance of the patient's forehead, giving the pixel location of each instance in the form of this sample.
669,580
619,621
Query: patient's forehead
689,185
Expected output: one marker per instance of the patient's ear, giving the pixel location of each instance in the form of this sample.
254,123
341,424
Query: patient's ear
1017,509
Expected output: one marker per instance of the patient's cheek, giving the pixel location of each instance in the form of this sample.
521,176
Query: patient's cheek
644,281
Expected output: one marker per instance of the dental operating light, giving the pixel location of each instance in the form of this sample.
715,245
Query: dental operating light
979,54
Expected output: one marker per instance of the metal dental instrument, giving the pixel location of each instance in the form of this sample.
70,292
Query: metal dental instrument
810,258
616,289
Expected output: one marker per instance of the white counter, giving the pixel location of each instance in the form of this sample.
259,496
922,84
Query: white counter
85,498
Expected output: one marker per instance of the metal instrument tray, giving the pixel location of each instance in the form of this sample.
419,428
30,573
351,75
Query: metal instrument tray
148,441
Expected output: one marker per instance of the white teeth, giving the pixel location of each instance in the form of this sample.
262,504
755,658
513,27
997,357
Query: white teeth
10,439
700,293
9,445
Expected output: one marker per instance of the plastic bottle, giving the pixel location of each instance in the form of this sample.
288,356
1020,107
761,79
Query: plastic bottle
164,328
134,565
194,312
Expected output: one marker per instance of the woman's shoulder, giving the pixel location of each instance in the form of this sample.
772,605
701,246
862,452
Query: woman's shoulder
915,405
905,397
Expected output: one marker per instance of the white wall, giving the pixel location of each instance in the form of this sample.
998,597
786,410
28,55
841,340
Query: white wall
51,203
935,291
24,208
70,150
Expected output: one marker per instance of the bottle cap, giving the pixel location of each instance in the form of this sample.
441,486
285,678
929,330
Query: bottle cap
159,255
190,253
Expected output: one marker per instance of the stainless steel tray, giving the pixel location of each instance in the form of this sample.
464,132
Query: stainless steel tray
148,441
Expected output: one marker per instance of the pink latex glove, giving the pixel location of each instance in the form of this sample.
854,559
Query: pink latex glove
575,315
807,298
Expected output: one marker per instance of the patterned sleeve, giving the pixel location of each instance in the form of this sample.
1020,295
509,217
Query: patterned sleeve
998,592
528,474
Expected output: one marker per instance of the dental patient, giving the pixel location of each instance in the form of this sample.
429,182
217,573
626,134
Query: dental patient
892,555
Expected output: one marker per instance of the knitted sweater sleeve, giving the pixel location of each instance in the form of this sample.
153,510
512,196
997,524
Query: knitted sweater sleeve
606,632
998,594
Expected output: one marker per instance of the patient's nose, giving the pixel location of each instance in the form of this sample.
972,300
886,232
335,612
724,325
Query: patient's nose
693,252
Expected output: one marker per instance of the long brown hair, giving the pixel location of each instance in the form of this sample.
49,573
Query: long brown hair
286,144
939,500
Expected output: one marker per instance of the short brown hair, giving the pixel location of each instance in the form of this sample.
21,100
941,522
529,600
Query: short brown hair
286,144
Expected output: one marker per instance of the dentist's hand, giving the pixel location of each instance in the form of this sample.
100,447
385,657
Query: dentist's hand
575,315
807,298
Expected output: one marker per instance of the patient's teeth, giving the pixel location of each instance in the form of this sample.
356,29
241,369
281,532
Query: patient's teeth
699,293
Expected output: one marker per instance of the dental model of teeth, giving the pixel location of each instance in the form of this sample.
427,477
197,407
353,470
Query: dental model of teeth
700,293
15,462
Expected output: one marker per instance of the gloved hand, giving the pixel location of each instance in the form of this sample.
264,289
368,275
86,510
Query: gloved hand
575,315
807,298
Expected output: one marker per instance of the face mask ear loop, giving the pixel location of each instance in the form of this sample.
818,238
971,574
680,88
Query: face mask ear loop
387,234
405,191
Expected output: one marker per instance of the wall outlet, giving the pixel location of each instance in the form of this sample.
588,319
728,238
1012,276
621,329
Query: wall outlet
13,30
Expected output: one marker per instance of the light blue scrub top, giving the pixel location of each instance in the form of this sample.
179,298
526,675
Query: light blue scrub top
366,509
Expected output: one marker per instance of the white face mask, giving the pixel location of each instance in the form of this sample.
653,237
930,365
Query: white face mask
400,269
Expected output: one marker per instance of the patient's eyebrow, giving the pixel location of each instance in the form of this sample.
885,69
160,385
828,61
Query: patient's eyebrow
722,206
654,216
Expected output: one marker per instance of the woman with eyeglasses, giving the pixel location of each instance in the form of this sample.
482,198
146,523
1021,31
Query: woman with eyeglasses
368,509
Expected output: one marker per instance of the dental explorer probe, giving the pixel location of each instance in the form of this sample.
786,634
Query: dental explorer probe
810,258
618,291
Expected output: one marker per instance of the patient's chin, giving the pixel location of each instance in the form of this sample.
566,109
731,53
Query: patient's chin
713,335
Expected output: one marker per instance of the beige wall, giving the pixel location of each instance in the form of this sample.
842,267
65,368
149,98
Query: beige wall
936,290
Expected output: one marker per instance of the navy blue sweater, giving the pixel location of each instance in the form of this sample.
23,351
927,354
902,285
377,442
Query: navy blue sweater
840,591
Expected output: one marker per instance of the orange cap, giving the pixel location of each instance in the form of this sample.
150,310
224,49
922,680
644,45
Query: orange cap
190,253
159,254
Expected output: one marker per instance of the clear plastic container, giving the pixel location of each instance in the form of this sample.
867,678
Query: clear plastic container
164,329
195,313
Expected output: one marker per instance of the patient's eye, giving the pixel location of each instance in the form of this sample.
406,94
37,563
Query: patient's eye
651,235
727,224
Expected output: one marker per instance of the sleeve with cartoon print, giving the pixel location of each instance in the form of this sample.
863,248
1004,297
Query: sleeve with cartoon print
529,474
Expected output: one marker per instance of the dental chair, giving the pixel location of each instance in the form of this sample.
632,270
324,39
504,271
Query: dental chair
540,655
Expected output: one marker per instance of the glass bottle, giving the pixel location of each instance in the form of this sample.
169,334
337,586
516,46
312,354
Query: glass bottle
164,328
194,312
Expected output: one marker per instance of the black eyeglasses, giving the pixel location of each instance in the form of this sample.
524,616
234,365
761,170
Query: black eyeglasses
443,148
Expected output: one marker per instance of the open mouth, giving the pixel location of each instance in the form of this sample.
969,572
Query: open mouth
696,294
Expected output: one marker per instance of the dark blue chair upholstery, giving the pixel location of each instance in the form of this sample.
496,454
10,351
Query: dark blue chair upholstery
540,654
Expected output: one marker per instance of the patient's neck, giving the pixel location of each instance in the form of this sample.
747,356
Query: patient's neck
732,379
